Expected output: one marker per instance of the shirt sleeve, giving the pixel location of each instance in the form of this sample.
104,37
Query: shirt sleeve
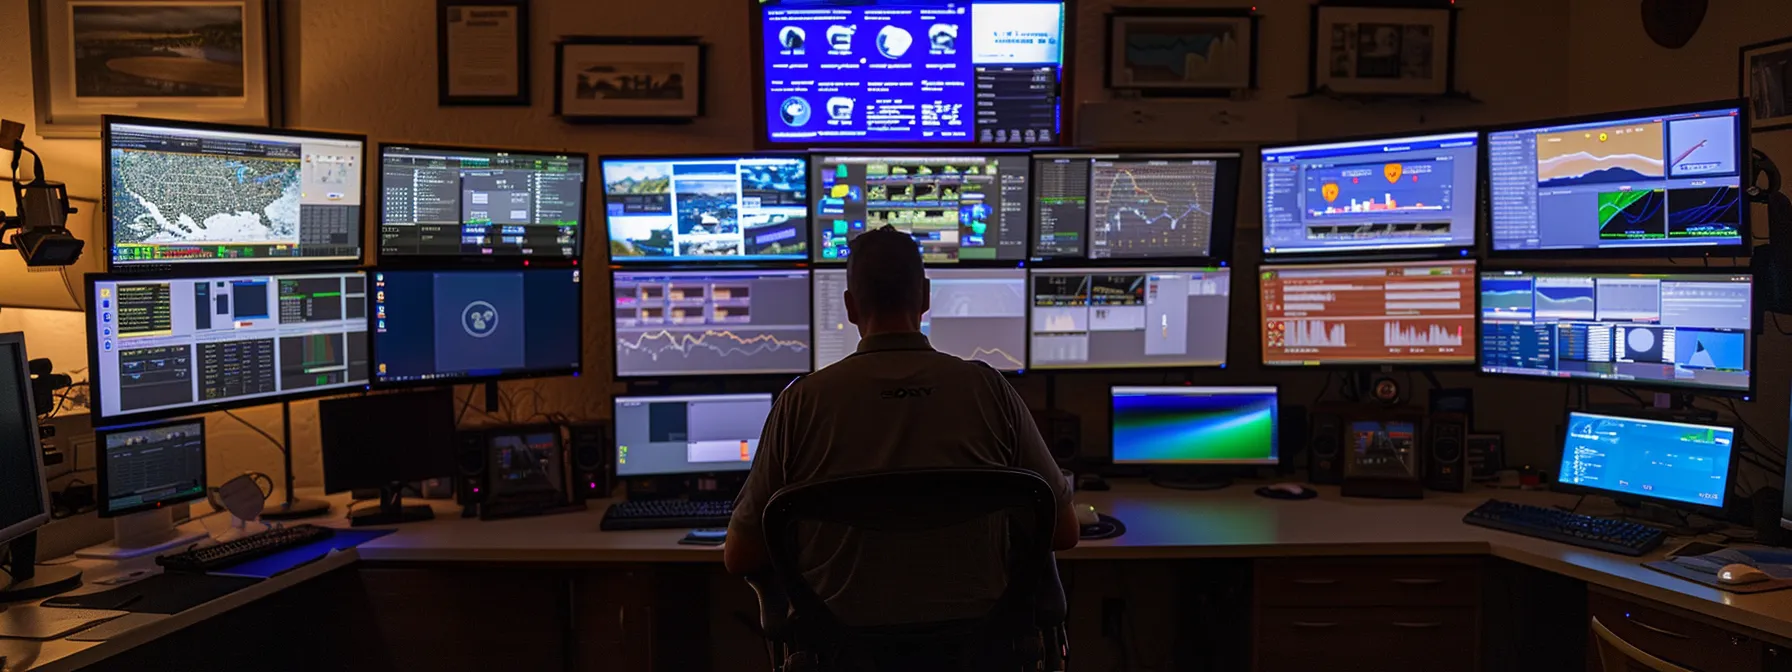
767,474
1031,452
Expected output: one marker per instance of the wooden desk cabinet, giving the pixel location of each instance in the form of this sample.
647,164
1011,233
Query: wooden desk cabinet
1374,613
1681,637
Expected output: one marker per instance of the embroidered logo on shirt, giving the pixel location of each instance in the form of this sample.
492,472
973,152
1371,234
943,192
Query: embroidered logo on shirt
906,392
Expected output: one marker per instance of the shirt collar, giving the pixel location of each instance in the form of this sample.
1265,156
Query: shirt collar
913,340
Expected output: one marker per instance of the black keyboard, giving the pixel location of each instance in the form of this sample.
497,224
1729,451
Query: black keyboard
1600,534
668,514
238,551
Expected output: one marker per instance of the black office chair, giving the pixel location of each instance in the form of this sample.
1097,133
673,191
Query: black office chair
1024,631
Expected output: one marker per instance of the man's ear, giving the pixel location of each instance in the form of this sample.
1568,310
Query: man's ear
852,307
926,295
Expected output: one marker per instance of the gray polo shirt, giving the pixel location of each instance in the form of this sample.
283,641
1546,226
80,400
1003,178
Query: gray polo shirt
897,403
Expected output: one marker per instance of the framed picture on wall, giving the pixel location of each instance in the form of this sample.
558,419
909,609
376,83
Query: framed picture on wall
1766,81
482,52
195,60
1383,48
629,79
1172,51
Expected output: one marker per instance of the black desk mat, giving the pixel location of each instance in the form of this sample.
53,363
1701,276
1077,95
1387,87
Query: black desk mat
167,593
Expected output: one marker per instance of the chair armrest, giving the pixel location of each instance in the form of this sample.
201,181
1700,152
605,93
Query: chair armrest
774,606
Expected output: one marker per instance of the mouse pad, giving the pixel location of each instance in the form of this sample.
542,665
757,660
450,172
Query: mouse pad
1709,578
167,593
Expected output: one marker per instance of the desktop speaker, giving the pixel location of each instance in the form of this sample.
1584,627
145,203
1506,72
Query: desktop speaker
1446,451
470,467
593,461
1325,448
1291,433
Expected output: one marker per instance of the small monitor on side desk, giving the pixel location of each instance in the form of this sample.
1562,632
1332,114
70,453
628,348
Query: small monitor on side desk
1134,206
384,441
1188,434
1377,195
1418,313
1633,460
711,323
473,202
24,497
688,434
978,314
1124,318
437,327
142,472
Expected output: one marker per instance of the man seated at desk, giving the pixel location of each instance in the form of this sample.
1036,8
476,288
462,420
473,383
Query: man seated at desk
896,403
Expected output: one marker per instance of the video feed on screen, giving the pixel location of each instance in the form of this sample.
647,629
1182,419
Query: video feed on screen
1129,317
1369,314
978,314
706,323
742,208
958,207
1371,195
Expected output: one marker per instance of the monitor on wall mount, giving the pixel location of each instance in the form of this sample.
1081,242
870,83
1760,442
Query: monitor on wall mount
441,201
1370,314
713,208
1377,195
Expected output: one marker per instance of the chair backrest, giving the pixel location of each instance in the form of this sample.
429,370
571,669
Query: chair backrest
915,500
1617,655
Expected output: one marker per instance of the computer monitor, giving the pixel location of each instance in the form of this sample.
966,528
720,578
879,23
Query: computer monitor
24,498
375,441
1134,206
176,346
689,434
1677,464
978,313
1624,183
1374,195
1119,318
438,326
147,468
1190,429
710,323
1388,313
183,193
911,71
747,207
1685,330
439,201
959,206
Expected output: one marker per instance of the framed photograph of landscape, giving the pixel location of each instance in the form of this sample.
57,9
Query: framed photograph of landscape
195,60
629,79
1383,48
1766,81
1174,51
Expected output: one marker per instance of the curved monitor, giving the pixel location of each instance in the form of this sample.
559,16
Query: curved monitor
749,207
438,201
1375,195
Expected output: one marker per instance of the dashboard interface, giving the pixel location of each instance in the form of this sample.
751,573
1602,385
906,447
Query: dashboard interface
969,207
692,434
742,208
696,323
1384,194
1379,313
1130,317
1124,206
1646,458
978,314
472,202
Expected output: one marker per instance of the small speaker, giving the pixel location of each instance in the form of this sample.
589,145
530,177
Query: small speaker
593,461
1062,431
470,467
1325,449
1446,449
1291,436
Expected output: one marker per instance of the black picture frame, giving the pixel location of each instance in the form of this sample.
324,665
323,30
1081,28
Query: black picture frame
566,110
1244,14
1763,113
1445,10
522,96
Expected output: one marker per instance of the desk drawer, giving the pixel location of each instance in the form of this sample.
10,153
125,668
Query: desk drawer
1376,638
1368,582
1674,638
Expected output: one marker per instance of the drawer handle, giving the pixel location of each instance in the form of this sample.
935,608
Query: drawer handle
1418,582
1313,624
1658,631
1315,582
1417,626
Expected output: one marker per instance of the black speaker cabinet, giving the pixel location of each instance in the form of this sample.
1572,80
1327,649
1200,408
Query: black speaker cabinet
1446,452
593,461
470,467
1325,448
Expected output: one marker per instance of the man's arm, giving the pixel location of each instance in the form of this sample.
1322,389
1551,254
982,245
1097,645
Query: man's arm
745,552
1034,456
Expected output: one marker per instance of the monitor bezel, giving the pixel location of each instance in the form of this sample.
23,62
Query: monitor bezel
616,445
1754,345
1275,447
32,444
1073,270
103,472
616,361
1558,485
230,266
603,200
816,156
1472,364
374,382
1220,240
1026,275
400,260
1066,83
1744,145
1333,255
97,398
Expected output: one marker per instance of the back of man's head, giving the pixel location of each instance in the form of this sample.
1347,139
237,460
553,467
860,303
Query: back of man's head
884,276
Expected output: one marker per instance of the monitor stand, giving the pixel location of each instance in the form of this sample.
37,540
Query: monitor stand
1190,478
392,510
141,534
21,578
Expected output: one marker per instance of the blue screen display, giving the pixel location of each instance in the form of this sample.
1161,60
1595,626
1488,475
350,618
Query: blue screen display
1195,425
431,325
1394,193
1648,458
871,71
740,208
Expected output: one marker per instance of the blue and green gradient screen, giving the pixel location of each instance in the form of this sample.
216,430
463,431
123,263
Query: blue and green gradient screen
1195,425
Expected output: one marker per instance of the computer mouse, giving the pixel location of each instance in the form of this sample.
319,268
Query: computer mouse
1740,574
1085,515
1287,491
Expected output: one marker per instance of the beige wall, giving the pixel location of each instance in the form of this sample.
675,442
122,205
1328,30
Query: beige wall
369,67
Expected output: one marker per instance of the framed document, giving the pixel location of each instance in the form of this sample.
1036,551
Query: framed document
482,52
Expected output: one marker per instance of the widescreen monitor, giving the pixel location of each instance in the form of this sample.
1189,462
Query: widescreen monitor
1118,318
472,202
180,192
750,207
1134,206
1195,425
1691,330
690,434
1420,313
977,313
149,467
1623,183
451,326
1376,195
959,207
177,346
24,502
912,71
708,323
1678,464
